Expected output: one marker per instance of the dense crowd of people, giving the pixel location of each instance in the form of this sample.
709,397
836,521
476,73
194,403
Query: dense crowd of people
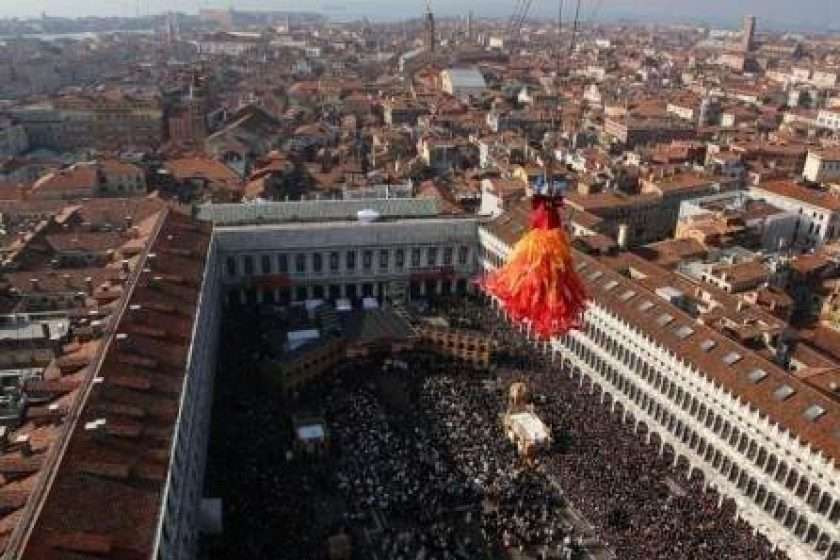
419,468
442,480
608,473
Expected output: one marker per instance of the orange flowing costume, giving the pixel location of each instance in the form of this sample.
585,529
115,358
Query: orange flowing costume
539,285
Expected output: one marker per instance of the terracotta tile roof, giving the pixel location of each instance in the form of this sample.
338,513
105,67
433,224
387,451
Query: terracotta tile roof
68,180
60,280
125,462
98,242
671,252
791,190
205,168
99,212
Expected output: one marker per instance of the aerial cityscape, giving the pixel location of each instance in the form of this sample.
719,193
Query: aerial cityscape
265,273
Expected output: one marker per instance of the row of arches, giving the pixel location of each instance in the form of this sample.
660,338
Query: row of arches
789,497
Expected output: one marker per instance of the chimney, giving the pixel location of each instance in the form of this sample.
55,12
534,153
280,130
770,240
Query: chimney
623,234
89,284
122,341
135,312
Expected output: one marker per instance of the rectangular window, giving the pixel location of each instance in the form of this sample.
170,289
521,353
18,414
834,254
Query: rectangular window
383,259
231,266
415,258
399,258
447,256
351,260
317,262
367,260
300,264
282,263
463,255
334,261
249,264
431,256
266,264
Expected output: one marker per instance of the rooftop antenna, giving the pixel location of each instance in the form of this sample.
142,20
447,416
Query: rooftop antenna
575,28
559,33
430,27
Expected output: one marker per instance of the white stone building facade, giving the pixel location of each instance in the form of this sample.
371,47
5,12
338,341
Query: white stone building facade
629,352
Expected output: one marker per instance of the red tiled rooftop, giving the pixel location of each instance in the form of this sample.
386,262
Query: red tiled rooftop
107,490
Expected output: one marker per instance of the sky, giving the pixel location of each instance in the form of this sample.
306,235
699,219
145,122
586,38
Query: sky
774,13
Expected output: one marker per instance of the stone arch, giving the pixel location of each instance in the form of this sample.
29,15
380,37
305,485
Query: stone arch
770,504
669,454
761,459
801,527
697,476
823,542
683,466
812,534
824,503
772,463
655,439
781,474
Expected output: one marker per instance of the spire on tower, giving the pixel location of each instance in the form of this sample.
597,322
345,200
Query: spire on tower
431,38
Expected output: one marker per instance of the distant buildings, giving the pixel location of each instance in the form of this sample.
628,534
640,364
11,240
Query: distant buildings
822,166
818,209
106,120
13,138
748,34
463,82
631,131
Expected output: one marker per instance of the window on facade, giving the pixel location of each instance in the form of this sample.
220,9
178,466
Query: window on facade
300,264
231,266
249,264
334,261
447,256
415,257
383,259
265,264
367,260
317,262
399,258
463,255
431,256
282,263
351,260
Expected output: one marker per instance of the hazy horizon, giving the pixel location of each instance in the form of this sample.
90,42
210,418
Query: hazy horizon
778,14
